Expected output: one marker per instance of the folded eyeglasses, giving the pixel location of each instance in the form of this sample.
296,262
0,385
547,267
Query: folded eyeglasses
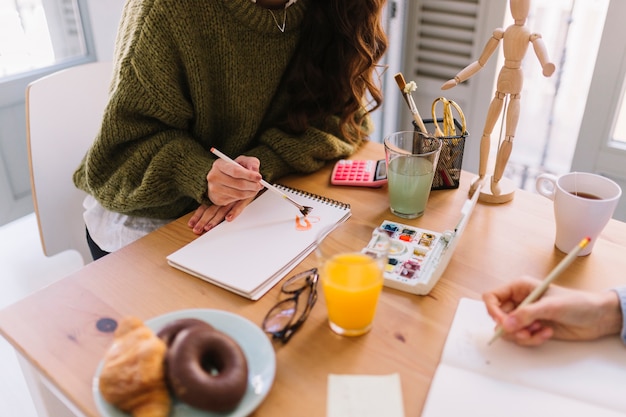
289,314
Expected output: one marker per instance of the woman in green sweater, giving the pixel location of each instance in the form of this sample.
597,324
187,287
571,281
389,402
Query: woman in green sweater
281,86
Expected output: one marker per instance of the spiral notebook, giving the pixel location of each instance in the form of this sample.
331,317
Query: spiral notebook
249,255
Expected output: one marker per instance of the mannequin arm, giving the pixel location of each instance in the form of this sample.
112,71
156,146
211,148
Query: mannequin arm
476,66
540,50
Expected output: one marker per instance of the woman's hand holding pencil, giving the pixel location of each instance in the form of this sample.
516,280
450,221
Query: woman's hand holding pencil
529,311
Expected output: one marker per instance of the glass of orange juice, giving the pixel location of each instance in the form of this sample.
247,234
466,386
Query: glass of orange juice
352,279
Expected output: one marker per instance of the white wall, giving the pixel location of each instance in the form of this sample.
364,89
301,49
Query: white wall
104,16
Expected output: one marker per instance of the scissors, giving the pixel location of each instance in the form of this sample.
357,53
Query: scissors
449,128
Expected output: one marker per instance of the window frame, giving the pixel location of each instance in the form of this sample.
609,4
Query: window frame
12,87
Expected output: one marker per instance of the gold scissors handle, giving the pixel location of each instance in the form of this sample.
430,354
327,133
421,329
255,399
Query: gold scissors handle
449,128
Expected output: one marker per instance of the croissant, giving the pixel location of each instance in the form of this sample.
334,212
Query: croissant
133,375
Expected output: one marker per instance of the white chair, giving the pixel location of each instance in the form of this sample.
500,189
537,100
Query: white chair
63,114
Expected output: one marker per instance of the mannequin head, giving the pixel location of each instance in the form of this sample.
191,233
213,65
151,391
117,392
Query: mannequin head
519,10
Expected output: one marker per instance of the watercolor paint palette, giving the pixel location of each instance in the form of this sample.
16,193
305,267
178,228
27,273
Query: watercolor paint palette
412,255
418,257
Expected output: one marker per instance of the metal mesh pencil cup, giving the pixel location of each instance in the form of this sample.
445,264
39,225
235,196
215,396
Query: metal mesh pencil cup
448,173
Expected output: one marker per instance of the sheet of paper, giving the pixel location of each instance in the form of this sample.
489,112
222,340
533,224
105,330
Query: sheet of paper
364,396
457,392
488,378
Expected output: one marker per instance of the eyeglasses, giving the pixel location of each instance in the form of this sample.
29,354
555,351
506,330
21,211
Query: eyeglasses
287,316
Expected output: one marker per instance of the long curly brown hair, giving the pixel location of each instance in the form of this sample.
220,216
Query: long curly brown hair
333,70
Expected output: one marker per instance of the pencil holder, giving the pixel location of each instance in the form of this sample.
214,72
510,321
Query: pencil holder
448,173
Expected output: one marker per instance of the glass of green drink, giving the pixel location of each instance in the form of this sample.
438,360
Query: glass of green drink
411,162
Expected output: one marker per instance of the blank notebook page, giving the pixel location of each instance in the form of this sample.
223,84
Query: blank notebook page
270,237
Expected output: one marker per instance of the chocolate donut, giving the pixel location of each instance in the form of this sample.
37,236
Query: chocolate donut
207,369
170,330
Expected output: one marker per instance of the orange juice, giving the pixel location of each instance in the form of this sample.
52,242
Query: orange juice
352,283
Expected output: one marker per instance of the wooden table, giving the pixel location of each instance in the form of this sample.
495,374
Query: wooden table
55,328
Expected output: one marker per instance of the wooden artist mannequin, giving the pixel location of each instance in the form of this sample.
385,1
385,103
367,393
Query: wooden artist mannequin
516,39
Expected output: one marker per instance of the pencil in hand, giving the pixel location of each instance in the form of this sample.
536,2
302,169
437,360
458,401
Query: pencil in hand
539,290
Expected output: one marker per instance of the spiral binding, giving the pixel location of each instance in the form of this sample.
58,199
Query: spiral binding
315,197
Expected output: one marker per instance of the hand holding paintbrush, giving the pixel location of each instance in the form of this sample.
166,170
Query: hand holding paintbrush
305,210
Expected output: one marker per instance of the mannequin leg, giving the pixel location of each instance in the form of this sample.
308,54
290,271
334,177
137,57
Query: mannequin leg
504,152
495,107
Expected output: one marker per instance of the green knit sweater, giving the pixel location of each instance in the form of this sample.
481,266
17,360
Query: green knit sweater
190,75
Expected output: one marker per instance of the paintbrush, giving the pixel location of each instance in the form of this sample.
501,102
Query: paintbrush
406,93
305,210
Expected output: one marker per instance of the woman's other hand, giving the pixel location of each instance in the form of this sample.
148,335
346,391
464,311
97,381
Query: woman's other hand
207,217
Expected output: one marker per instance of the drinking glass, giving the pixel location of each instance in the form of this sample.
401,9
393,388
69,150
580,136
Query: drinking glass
351,277
411,162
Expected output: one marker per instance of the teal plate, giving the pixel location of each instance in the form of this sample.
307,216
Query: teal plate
254,343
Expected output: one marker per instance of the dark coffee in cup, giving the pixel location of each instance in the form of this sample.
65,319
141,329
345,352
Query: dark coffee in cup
585,195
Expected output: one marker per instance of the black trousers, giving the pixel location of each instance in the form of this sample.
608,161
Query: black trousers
96,252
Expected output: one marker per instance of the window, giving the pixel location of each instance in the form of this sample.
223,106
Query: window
552,108
619,134
445,36
37,37
36,34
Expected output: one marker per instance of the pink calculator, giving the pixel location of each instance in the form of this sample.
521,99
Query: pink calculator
361,173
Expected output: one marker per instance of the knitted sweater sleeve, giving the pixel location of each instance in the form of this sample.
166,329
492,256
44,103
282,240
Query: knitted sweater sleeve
283,154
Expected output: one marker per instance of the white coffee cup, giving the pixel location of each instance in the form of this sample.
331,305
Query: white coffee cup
583,204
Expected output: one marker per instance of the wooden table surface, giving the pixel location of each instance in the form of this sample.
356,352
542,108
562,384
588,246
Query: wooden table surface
55,328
